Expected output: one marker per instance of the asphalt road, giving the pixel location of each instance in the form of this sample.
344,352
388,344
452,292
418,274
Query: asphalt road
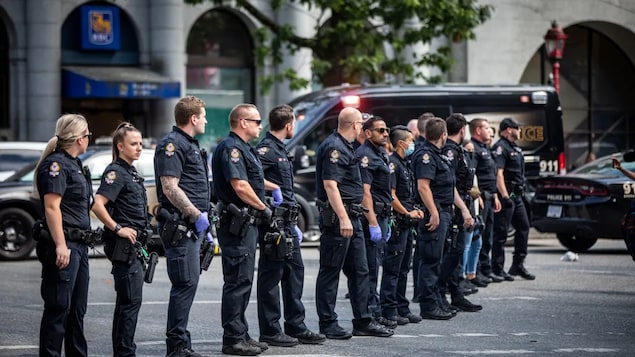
582,308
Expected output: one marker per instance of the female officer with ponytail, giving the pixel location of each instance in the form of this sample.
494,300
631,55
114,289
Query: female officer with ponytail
121,204
65,194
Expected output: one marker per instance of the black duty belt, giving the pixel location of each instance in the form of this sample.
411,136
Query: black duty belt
355,209
383,209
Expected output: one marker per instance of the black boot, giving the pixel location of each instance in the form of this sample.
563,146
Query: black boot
518,268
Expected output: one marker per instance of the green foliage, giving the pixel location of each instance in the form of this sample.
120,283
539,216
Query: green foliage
351,36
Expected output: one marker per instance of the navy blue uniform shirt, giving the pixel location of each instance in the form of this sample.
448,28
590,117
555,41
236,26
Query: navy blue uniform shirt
62,174
458,161
180,156
235,159
277,166
402,181
127,200
373,163
336,161
431,164
485,166
509,157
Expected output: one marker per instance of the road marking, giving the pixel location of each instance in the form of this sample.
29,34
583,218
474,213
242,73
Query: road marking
19,347
492,352
511,298
471,334
580,349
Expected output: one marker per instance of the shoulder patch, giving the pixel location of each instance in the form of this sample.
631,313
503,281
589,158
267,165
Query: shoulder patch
499,150
263,150
392,167
170,148
234,155
426,158
110,177
450,155
54,169
364,162
335,156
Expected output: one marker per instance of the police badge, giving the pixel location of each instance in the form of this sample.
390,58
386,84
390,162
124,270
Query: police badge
234,155
54,169
335,155
170,149
110,177
426,158
364,162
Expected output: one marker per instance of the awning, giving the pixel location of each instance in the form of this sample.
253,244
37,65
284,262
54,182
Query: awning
117,82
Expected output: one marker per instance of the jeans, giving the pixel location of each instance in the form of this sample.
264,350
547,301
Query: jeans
473,245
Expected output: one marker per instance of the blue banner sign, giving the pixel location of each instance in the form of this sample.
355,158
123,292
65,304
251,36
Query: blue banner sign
100,28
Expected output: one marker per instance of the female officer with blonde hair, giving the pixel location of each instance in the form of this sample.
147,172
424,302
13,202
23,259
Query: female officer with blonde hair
65,194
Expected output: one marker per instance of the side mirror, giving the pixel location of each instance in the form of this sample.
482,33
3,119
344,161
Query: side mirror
629,156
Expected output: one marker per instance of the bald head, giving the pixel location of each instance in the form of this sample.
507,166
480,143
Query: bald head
412,126
347,117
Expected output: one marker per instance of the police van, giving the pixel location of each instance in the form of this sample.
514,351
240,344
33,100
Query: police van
535,107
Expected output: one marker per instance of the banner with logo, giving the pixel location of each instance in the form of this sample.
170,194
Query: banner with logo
100,28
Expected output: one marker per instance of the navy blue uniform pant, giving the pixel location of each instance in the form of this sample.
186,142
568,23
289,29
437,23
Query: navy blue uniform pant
65,295
184,266
239,258
374,257
339,254
517,217
484,260
451,265
288,275
129,287
396,265
431,245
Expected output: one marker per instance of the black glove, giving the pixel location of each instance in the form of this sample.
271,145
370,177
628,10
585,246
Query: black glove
507,202
265,215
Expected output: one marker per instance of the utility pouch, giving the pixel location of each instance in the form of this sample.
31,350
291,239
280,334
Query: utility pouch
124,251
40,232
275,246
170,231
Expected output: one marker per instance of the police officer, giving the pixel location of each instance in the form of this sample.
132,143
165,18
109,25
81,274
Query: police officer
510,182
339,193
398,250
416,259
122,205
65,194
435,185
240,186
377,198
486,172
184,199
450,267
287,270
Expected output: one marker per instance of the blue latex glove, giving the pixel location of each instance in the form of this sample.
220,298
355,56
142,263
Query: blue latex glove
298,233
389,233
277,197
375,233
209,237
202,223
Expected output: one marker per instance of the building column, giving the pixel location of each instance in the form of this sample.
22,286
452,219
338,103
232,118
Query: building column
43,73
167,56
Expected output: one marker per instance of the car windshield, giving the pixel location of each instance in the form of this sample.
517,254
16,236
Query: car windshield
603,166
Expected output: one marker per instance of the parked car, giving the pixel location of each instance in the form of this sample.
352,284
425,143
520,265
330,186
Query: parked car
586,204
15,155
18,210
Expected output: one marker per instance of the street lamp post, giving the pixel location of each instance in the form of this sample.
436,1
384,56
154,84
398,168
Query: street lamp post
554,45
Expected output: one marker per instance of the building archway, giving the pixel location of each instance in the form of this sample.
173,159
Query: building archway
220,68
596,90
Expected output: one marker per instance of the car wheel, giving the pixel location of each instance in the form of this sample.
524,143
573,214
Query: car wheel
16,241
301,221
577,244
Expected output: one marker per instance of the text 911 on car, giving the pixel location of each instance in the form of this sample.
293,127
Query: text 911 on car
586,204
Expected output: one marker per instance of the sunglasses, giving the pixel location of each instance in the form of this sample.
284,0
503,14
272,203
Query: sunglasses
382,130
257,121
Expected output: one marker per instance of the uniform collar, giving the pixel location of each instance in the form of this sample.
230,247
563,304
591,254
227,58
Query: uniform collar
428,145
123,163
346,142
275,139
509,141
186,135
237,137
452,143
380,150
476,142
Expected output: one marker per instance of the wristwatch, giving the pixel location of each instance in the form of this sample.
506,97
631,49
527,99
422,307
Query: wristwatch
117,228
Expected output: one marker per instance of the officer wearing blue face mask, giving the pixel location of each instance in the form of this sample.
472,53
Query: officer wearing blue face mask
398,249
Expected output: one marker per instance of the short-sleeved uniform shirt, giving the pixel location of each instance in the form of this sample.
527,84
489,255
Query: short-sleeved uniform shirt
485,166
402,180
509,157
430,163
235,159
458,161
179,155
277,166
373,164
62,174
127,199
336,161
